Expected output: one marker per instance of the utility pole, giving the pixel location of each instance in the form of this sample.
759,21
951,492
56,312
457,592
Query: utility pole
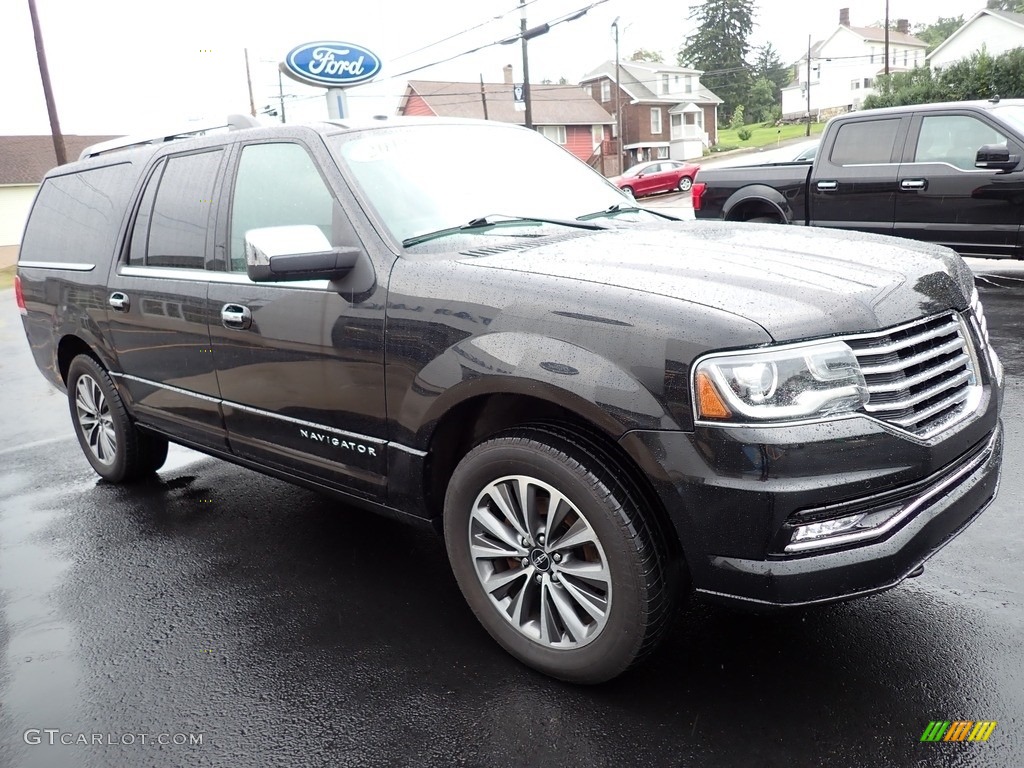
808,85
248,80
618,108
483,95
44,73
280,92
526,66
886,37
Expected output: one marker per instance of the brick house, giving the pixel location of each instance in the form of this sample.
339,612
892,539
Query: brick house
564,113
666,112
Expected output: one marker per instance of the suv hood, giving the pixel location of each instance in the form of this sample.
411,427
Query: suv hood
795,282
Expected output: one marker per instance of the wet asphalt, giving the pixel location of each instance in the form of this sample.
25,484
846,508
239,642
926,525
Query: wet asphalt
263,625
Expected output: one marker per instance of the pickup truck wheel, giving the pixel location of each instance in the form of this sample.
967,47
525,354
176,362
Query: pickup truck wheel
765,220
553,555
116,448
685,183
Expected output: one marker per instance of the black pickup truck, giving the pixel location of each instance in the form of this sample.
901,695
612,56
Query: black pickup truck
943,173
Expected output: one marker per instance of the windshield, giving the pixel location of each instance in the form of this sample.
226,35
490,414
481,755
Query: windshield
1013,114
428,177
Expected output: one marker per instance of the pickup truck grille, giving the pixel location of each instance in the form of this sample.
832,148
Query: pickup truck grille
920,376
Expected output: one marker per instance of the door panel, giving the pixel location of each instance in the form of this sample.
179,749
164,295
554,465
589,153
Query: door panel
300,365
158,310
944,199
855,187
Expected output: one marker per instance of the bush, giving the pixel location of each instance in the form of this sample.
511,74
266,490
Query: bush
744,134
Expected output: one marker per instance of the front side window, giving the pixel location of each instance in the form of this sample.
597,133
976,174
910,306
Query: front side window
954,139
865,142
173,221
655,119
279,185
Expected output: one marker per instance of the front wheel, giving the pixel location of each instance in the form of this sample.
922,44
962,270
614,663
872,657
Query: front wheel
114,446
684,184
629,191
553,554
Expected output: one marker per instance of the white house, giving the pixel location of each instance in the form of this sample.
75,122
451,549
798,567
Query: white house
845,65
995,31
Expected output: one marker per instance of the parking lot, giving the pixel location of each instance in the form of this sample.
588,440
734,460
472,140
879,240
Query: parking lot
219,617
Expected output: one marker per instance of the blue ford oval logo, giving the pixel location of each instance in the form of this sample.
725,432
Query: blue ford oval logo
331,63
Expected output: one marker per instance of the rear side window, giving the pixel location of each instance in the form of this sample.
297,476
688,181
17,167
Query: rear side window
172,225
865,142
76,218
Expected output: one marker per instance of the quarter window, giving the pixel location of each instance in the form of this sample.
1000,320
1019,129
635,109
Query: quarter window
173,221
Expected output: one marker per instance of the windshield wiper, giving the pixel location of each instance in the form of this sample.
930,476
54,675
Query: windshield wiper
617,208
484,222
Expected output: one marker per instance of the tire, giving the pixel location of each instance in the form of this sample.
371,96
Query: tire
765,220
117,450
509,579
684,184
629,191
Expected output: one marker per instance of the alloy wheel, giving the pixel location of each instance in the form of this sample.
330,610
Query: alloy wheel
95,420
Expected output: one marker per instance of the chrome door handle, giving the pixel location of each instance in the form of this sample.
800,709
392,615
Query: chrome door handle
913,184
828,186
236,316
119,301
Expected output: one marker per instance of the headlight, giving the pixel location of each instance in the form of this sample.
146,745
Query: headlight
784,384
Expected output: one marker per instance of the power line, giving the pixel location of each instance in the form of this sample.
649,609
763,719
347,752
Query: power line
465,31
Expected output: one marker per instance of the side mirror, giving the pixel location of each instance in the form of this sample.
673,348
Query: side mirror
299,252
996,157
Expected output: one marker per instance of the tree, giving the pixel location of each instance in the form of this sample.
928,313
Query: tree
642,54
761,101
720,47
1016,6
768,66
936,33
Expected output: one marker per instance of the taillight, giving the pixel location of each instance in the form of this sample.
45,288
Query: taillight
696,192
19,297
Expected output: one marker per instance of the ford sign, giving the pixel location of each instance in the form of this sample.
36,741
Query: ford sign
330,63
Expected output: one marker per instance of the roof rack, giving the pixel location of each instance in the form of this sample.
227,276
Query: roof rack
233,123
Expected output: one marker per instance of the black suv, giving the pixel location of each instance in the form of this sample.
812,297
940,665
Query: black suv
458,323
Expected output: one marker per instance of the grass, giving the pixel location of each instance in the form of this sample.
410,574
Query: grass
7,277
763,137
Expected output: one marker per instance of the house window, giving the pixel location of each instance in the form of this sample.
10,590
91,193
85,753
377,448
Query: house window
597,134
662,153
554,132
689,84
872,54
868,82
606,90
905,52
676,123
854,85
655,120
664,83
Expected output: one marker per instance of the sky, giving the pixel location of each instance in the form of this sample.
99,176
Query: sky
133,66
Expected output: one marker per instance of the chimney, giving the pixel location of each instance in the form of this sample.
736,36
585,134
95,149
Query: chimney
507,69
844,17
903,26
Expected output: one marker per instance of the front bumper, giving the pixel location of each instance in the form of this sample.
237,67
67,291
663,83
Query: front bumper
735,496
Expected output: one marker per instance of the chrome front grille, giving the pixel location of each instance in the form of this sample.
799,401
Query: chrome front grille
921,377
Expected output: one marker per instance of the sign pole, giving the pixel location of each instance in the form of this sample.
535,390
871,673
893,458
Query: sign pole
337,103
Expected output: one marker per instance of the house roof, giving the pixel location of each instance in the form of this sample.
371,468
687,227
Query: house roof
26,159
1016,19
877,34
549,104
637,79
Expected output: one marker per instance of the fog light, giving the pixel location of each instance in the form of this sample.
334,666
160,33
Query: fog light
826,528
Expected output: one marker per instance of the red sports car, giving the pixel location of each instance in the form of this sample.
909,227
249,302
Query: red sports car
656,176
